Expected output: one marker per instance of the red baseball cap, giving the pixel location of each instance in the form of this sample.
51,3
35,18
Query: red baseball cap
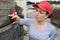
44,5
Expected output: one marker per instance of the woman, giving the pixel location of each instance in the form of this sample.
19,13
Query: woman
39,28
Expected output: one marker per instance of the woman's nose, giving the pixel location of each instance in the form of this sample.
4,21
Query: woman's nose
37,13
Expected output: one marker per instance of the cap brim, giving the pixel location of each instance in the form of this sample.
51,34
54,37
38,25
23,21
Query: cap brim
39,6
35,5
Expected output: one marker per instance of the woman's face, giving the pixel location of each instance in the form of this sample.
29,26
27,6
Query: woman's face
40,14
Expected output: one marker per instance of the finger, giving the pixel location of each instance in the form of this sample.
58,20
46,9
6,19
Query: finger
10,15
15,13
15,22
13,17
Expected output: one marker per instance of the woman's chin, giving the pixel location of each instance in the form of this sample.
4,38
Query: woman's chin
38,20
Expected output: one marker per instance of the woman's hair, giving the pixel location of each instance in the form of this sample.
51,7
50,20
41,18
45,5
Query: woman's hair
48,14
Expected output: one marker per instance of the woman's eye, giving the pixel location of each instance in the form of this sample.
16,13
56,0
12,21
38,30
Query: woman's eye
36,10
41,12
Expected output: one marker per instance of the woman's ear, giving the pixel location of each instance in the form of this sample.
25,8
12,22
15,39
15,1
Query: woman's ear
47,16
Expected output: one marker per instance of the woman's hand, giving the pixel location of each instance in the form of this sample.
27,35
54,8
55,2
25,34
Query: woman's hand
15,17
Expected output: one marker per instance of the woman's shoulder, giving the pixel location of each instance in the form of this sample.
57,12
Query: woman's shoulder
51,26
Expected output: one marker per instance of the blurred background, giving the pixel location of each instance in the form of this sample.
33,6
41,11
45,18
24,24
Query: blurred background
24,9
